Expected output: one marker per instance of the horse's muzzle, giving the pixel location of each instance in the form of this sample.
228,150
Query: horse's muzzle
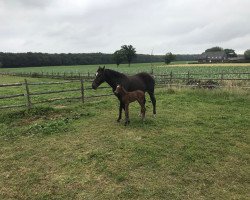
94,86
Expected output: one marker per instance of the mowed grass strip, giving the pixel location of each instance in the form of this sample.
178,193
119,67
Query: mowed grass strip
196,148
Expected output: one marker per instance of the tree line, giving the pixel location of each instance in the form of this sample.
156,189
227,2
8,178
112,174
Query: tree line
30,59
127,54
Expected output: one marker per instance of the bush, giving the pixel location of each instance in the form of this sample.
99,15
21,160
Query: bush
247,54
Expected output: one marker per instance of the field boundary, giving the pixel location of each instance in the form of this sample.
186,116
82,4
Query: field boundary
192,80
166,76
27,94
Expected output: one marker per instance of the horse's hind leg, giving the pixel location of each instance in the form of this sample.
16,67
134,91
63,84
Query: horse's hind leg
152,97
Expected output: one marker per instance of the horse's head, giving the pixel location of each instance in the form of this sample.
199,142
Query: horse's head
99,77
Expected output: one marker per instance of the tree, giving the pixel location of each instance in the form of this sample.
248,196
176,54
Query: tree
169,57
230,53
213,49
129,52
247,54
118,57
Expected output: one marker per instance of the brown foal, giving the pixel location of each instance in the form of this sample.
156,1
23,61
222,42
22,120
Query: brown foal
128,97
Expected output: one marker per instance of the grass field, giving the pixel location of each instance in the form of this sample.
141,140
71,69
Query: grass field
158,68
196,148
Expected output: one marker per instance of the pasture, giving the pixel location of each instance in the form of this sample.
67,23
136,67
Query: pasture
158,68
196,148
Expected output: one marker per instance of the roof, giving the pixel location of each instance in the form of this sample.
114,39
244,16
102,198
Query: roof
213,55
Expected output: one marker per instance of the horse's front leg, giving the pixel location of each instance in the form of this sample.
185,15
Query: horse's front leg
127,121
120,111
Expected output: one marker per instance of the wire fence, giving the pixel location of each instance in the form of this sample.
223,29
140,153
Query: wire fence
167,76
193,80
27,93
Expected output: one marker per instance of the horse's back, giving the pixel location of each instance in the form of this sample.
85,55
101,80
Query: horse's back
146,80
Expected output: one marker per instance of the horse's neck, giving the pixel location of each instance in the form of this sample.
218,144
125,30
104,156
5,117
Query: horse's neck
123,91
113,80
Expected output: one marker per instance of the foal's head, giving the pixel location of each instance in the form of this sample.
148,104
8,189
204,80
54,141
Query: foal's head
100,77
119,89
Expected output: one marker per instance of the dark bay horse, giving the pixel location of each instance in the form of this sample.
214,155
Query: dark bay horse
142,81
129,97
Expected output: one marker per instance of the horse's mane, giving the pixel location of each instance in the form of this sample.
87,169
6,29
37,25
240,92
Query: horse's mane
114,74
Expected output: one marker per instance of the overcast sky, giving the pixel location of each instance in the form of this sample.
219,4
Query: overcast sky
81,26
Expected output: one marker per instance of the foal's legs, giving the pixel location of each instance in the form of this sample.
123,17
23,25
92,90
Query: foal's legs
126,114
144,102
120,111
143,109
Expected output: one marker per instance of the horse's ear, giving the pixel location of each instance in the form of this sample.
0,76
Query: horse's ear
103,67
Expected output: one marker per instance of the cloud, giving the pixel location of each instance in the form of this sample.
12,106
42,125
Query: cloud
181,26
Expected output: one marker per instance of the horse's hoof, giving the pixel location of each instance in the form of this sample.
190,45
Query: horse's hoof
154,115
118,120
126,123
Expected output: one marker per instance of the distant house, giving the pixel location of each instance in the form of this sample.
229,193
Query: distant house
216,56
239,58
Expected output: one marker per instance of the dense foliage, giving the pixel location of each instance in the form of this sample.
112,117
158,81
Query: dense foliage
213,49
44,59
169,57
118,57
230,53
247,54
129,52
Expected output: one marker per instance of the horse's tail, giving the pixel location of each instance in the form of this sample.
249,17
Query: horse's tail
150,87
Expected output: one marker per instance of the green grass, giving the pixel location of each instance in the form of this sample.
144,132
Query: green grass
159,68
196,148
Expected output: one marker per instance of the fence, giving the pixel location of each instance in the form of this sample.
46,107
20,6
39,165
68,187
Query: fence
28,93
163,77
162,80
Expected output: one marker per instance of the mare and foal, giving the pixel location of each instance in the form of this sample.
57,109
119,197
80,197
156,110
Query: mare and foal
143,82
128,97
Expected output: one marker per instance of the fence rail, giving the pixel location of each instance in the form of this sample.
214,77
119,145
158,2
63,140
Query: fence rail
28,94
171,76
168,79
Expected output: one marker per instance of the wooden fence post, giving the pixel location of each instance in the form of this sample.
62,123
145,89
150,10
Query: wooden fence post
171,77
27,94
222,76
82,90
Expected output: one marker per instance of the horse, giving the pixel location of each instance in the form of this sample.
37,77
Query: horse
141,81
129,97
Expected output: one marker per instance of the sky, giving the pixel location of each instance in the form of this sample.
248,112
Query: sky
158,27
